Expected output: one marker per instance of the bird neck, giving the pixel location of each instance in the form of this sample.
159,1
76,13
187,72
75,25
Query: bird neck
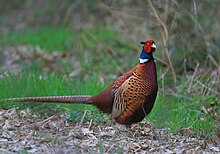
145,57
147,70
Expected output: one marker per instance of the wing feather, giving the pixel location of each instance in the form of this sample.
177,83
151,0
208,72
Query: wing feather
129,97
119,104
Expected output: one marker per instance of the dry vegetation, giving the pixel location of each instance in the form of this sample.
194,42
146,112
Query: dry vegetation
25,132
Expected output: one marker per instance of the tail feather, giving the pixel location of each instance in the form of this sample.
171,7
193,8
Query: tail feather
54,99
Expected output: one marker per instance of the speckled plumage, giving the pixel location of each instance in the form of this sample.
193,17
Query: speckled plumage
129,98
136,96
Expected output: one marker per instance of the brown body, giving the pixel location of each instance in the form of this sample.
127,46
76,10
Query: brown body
129,98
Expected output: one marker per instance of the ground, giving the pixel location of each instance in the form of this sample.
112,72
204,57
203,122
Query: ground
24,132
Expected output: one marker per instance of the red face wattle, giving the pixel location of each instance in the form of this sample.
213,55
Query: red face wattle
149,46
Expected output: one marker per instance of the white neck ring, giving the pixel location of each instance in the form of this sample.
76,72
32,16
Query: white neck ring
143,60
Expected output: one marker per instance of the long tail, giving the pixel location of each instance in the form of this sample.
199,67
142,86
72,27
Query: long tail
54,99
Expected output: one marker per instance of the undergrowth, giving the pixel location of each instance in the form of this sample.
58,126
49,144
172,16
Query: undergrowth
169,111
50,85
178,109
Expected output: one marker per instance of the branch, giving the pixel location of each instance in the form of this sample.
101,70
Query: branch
165,37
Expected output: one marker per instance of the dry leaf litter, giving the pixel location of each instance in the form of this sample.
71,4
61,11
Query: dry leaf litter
22,131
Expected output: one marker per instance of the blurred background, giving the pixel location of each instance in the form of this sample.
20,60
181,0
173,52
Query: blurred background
79,47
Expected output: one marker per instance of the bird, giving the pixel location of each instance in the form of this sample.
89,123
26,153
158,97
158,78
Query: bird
128,99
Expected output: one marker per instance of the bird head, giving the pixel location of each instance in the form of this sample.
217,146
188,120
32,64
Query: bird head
149,46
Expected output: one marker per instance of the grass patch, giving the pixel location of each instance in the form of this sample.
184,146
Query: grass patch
59,38
49,38
53,85
169,111
182,112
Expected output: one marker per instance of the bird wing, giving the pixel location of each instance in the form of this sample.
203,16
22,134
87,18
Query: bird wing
129,97
119,102
118,89
122,79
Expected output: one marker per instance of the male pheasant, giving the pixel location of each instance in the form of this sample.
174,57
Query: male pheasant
128,99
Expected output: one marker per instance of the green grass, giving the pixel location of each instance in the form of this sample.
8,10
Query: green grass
49,85
59,38
48,38
171,112
182,112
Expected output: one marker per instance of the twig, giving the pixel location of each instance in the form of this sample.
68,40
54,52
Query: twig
166,10
161,60
41,122
195,11
194,74
83,117
207,81
138,147
165,37
192,124
174,18
90,124
110,148
163,81
71,8
207,40
213,60
204,86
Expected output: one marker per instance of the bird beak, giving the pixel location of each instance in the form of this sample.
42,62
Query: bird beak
153,46
143,42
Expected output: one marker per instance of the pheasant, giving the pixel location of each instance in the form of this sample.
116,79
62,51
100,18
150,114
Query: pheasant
128,99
